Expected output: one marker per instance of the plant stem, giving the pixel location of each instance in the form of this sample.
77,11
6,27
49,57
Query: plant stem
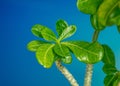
89,67
95,35
88,75
66,73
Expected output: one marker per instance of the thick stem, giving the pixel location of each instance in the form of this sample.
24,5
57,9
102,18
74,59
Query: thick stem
67,74
88,76
89,67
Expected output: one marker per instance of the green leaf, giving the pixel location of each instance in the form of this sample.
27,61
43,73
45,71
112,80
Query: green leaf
116,82
109,57
95,24
34,45
109,79
89,53
105,9
36,30
112,79
48,34
42,31
45,55
60,26
88,6
67,59
109,69
61,50
69,31
114,17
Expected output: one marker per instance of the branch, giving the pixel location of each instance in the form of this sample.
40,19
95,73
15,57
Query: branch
88,76
67,74
89,67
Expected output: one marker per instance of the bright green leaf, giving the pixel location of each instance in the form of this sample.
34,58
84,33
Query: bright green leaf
48,34
45,55
60,26
105,9
88,6
108,57
109,69
61,50
69,31
89,53
42,31
36,30
34,45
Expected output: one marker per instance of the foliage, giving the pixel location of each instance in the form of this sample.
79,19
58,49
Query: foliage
103,12
113,75
53,48
56,49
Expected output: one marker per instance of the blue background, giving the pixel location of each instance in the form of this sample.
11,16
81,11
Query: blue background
19,67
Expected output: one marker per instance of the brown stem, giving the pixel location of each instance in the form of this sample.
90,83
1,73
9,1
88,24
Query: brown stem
67,74
89,67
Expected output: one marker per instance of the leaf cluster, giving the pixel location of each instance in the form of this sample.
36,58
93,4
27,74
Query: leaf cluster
54,48
103,12
112,74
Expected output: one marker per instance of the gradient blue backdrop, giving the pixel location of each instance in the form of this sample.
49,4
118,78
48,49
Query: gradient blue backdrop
19,67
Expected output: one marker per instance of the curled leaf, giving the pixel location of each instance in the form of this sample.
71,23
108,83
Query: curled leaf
105,9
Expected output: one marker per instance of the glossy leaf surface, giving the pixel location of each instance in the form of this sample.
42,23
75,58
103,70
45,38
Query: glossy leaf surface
89,53
61,50
105,9
88,6
42,31
34,45
108,57
36,30
60,26
69,31
45,55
